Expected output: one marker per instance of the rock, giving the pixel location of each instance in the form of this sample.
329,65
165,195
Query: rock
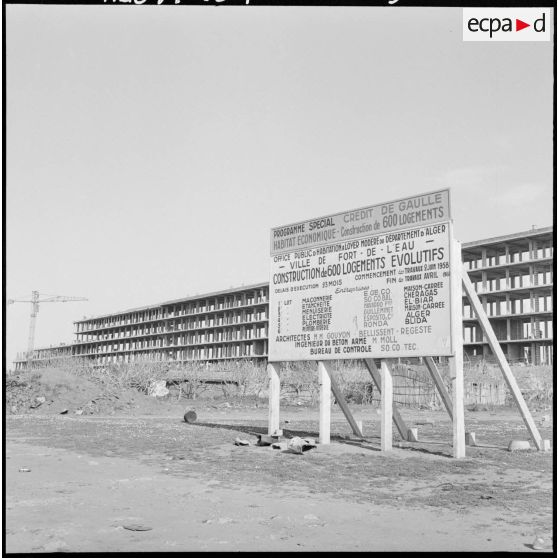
538,543
295,445
158,388
64,412
519,445
300,445
37,402
137,527
79,412
240,442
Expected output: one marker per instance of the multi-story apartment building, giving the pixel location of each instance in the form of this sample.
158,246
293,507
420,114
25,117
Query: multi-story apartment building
47,354
513,276
223,325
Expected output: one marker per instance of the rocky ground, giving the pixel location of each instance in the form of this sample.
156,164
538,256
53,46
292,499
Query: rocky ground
128,474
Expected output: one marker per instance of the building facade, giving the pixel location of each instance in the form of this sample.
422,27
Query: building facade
46,354
513,276
223,325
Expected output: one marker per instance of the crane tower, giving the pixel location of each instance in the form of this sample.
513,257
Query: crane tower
35,300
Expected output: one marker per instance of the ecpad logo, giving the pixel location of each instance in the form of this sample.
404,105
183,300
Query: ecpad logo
506,24
494,24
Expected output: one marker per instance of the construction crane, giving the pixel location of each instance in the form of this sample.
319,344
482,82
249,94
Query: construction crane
35,300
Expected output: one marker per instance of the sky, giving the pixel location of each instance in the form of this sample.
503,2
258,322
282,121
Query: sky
150,149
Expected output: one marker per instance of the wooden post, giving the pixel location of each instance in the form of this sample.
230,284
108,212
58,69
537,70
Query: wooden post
444,394
397,419
386,441
341,400
503,363
456,361
325,403
274,398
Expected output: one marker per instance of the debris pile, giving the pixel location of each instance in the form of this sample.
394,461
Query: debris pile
59,391
294,445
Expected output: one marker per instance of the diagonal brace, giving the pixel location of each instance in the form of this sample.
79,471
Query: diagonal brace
502,362
397,419
435,373
341,400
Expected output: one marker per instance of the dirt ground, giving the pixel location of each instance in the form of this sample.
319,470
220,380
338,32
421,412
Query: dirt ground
141,479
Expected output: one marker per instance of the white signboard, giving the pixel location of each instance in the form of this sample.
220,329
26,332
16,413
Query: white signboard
380,296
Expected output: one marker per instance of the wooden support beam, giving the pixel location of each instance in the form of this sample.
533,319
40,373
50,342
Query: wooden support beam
397,419
502,362
458,416
325,403
386,440
274,398
444,394
456,361
341,400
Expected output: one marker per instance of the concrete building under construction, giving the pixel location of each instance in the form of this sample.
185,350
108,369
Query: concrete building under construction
512,274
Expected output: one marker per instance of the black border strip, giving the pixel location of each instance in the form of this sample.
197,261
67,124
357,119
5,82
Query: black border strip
279,3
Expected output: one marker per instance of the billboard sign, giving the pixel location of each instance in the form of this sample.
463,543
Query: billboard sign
425,209
379,295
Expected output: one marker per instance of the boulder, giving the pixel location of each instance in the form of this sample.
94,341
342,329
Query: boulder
158,388
519,445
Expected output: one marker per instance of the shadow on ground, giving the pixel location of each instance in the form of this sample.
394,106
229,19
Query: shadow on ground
256,430
364,443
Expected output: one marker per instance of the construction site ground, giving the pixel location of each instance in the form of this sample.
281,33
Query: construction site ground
139,478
